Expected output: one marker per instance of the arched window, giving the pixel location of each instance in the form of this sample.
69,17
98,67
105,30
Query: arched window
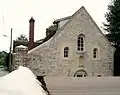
95,53
80,43
66,51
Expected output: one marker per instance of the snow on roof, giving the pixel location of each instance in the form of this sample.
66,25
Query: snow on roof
21,82
21,46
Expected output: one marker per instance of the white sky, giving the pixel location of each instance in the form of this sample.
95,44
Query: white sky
16,14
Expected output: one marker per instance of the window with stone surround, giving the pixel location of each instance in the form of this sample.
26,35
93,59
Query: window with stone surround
80,43
66,50
95,53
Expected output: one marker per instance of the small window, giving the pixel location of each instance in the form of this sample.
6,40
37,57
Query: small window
66,51
80,44
95,53
79,76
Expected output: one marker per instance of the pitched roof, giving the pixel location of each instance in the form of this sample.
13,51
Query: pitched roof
57,33
61,19
69,17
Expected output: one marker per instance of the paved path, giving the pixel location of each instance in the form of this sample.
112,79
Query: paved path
83,86
3,72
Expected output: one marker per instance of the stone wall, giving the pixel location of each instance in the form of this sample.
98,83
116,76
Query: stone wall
51,62
20,57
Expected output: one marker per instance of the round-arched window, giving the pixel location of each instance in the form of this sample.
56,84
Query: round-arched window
81,43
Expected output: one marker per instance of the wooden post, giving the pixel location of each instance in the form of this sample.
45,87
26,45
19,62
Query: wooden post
10,57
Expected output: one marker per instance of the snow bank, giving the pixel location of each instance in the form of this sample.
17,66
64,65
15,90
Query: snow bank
21,82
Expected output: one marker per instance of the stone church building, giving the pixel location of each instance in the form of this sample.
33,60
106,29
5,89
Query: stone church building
78,49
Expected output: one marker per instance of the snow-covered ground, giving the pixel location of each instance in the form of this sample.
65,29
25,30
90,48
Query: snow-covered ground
20,82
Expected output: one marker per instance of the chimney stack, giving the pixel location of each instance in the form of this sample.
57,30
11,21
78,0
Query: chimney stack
31,33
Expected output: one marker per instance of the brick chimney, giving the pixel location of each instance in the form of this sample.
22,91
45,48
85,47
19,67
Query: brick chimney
31,33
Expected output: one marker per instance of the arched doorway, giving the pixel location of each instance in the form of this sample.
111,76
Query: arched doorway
80,73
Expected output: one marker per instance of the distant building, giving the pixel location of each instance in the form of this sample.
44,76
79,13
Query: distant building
78,49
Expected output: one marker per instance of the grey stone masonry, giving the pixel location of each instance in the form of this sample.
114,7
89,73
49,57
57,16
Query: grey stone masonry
48,58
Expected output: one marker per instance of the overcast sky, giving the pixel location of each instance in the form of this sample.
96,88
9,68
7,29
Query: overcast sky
16,14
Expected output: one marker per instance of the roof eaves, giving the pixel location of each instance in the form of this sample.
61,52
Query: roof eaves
61,19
